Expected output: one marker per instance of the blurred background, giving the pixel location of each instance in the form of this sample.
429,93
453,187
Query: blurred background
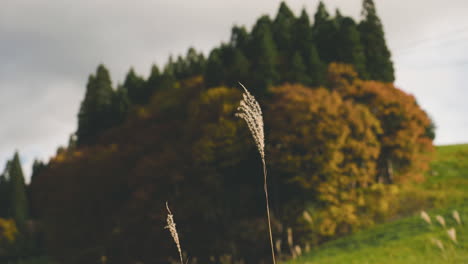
111,108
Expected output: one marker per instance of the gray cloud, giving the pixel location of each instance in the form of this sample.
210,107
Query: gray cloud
49,47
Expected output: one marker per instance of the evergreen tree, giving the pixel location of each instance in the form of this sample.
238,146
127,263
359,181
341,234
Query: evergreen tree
195,62
351,50
298,71
238,69
239,38
378,58
264,57
19,202
154,80
325,31
282,28
95,108
136,88
120,105
302,37
315,68
214,72
5,193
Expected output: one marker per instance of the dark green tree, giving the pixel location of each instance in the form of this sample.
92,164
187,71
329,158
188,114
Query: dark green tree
351,50
325,31
239,38
120,105
18,199
304,43
379,65
214,71
154,80
297,72
5,193
238,68
93,117
136,88
264,57
195,62
282,29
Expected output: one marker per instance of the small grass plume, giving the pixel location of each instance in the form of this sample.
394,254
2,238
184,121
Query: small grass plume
250,111
172,228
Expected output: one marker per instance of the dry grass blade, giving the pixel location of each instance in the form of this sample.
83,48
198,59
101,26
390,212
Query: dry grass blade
172,228
250,111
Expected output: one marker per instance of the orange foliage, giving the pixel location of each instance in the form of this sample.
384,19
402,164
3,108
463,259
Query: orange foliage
405,152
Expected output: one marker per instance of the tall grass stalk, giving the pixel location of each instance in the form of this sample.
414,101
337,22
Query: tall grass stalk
172,228
250,111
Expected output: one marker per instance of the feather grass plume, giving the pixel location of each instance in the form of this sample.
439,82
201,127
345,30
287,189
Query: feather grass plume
250,111
172,228
452,234
456,216
426,217
441,220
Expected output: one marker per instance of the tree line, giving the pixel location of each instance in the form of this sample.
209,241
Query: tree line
286,49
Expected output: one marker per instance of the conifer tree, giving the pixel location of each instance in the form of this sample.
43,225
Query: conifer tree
95,108
239,38
298,71
153,81
4,193
305,44
195,62
351,50
325,30
214,72
136,88
264,56
378,58
282,29
18,200
238,69
120,105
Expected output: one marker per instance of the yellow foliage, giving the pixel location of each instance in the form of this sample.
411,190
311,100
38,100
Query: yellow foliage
8,230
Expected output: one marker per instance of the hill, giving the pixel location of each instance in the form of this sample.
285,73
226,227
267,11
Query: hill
411,240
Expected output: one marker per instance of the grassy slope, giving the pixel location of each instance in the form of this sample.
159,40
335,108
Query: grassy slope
408,240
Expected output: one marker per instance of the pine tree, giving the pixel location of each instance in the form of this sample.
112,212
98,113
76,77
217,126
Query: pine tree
154,80
378,58
298,71
325,31
302,37
214,71
5,193
95,108
265,56
305,44
238,68
351,50
136,88
315,67
239,38
282,29
120,105
19,202
195,62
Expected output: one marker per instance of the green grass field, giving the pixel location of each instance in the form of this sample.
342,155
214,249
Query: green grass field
408,240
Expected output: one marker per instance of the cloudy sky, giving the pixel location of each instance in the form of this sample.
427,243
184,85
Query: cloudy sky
49,47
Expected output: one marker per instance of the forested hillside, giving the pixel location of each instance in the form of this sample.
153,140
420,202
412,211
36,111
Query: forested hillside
340,141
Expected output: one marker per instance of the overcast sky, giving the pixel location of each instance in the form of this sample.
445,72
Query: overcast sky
49,47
